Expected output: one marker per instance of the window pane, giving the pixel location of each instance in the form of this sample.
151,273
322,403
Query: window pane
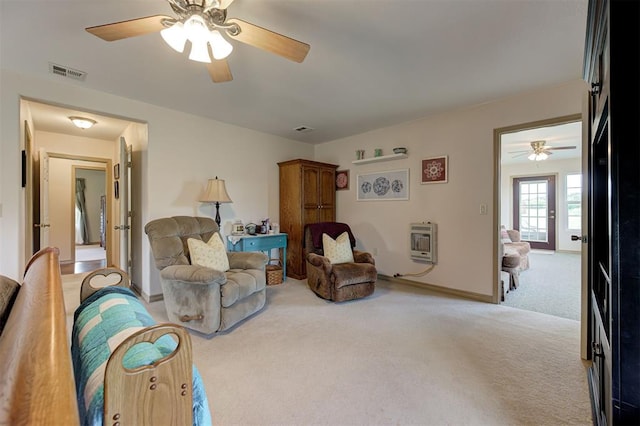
542,188
573,201
574,181
574,209
575,223
574,194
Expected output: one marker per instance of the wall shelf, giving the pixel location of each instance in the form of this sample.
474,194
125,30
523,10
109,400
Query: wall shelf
381,158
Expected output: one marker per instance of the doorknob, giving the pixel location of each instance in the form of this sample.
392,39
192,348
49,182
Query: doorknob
121,227
582,238
43,225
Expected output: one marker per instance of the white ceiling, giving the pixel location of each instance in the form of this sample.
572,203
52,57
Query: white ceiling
372,63
516,146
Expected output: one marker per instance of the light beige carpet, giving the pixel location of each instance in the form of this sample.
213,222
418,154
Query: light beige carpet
404,356
90,252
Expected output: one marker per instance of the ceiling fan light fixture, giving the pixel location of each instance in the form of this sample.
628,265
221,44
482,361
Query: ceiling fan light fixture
196,28
200,52
175,36
221,48
538,156
82,122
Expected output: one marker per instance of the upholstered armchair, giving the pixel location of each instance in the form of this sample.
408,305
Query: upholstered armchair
202,298
515,255
337,281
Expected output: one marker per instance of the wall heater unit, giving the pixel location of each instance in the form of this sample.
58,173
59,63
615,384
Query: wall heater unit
423,242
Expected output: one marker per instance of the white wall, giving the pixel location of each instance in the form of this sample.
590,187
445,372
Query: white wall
560,168
183,152
465,237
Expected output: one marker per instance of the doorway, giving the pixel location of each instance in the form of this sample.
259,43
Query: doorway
90,218
536,167
49,133
71,193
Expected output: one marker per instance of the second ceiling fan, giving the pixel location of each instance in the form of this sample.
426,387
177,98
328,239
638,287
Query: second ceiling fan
202,22
539,151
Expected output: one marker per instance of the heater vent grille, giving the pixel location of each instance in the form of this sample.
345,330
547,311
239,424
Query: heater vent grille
67,72
423,242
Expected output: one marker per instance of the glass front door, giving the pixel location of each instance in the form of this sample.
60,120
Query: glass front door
534,210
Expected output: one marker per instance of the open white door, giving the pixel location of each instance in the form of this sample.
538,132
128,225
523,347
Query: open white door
44,200
124,227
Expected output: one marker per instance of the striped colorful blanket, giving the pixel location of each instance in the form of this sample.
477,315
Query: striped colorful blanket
101,323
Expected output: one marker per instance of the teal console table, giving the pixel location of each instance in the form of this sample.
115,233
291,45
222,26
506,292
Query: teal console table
260,242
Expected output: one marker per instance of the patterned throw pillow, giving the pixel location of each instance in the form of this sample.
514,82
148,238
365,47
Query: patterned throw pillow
338,250
212,254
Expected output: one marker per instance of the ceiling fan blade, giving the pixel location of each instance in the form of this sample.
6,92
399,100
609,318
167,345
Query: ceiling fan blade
520,155
219,71
130,28
272,42
517,152
561,147
225,4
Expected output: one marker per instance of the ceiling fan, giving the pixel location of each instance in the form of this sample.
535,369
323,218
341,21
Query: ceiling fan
539,151
202,22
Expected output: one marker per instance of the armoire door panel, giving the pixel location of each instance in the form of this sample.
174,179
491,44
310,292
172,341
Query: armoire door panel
310,187
327,188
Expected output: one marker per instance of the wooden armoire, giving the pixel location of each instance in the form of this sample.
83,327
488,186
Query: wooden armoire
307,195
613,241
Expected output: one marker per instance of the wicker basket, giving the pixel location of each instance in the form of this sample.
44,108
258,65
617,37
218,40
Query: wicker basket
274,273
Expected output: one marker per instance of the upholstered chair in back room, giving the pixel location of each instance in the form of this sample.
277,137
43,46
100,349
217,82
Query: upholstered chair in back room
205,288
335,270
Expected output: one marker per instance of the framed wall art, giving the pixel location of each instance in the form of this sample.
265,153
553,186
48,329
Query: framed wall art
342,180
116,171
435,170
389,185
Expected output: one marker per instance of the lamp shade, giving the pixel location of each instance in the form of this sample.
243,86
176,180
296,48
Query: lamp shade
200,52
175,36
216,192
221,47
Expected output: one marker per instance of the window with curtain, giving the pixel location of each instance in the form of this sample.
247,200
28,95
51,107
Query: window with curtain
82,230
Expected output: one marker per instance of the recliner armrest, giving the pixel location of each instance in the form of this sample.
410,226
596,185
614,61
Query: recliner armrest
319,261
514,235
363,257
193,274
247,260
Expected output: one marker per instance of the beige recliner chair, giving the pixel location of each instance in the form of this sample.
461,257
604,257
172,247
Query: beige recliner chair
202,299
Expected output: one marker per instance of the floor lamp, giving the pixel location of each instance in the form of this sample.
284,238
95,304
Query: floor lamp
216,193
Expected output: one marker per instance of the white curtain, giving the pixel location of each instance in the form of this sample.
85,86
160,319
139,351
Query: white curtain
82,229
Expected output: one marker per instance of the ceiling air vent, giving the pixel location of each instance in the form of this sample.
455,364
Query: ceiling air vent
63,71
303,129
